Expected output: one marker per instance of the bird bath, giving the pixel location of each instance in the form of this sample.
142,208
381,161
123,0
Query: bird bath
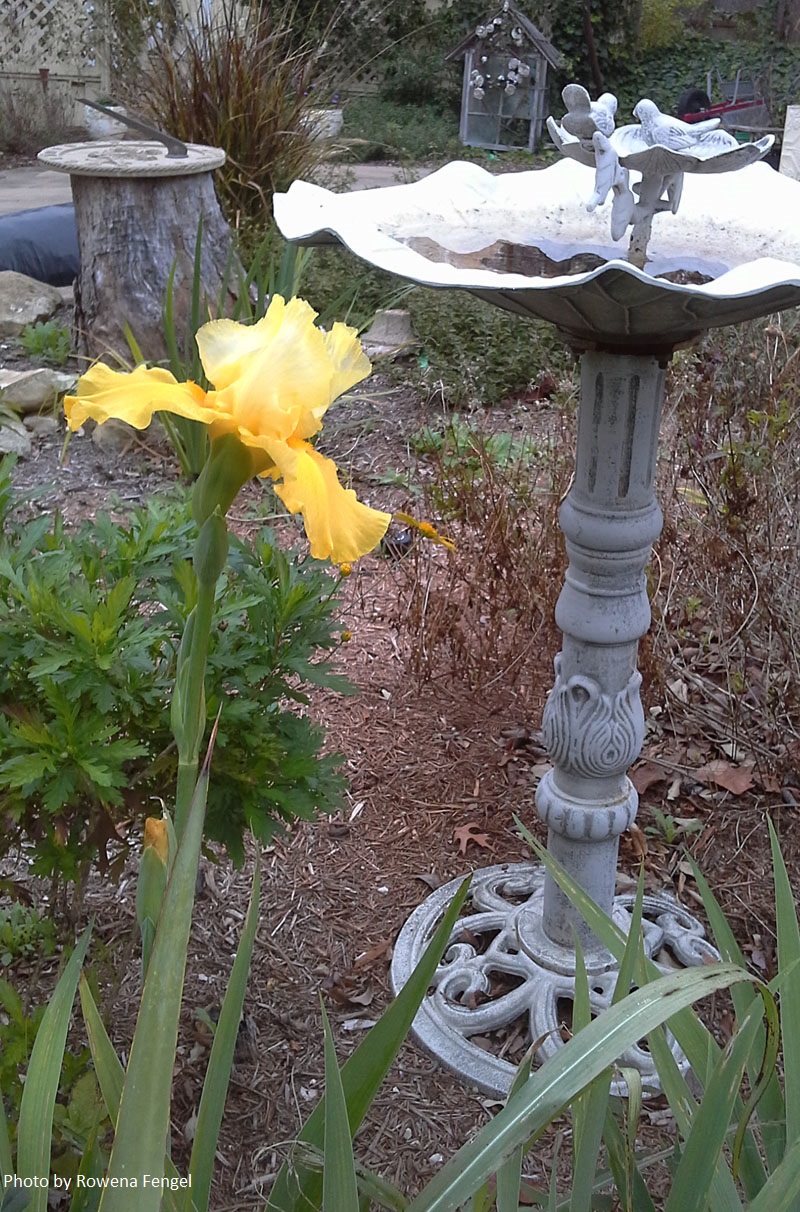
545,244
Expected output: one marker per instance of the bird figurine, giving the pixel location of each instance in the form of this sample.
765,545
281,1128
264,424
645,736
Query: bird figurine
585,116
662,130
610,176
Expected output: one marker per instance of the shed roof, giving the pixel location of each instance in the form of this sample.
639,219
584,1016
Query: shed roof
535,36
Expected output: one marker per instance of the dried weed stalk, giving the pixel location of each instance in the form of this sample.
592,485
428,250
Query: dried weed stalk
484,612
727,616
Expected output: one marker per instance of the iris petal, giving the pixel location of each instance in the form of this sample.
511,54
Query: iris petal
338,525
273,382
104,393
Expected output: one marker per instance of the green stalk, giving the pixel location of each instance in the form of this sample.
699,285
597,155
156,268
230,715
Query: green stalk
189,701
142,1128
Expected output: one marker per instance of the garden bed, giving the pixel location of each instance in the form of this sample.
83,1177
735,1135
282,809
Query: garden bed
442,750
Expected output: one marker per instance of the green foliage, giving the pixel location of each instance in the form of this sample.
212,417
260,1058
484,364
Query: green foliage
595,40
735,1151
77,1114
671,829
353,39
89,630
666,71
47,340
405,133
24,933
340,287
663,24
479,355
457,443
416,75
486,1173
18,1028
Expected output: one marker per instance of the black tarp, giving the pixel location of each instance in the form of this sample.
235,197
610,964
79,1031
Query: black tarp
41,243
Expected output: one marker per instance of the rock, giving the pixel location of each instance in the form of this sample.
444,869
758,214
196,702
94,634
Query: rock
40,427
114,436
389,333
14,438
35,390
24,301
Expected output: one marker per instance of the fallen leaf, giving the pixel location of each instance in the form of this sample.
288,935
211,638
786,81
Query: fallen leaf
365,998
646,775
430,878
358,1024
639,840
381,949
736,779
465,834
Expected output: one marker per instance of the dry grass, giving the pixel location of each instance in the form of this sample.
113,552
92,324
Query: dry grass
728,607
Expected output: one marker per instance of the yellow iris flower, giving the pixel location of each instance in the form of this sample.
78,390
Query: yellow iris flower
272,381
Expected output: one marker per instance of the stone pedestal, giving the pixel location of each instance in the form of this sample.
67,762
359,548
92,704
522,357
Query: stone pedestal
521,929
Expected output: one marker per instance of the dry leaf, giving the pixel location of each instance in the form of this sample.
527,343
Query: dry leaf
645,775
381,949
639,841
736,779
430,878
465,834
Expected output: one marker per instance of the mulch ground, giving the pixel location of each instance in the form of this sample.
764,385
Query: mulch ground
425,759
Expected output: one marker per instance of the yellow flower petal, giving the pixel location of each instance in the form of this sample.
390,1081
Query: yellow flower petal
277,378
133,397
338,525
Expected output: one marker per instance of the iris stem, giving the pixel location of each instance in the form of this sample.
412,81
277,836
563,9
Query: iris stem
191,675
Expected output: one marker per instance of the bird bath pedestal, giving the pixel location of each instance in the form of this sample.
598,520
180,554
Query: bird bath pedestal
544,244
137,211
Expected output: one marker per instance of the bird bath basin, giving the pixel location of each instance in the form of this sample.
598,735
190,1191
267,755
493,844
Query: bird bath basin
709,246
440,231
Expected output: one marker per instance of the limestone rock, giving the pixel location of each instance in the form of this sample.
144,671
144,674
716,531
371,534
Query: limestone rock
390,333
14,438
114,436
24,301
40,426
35,390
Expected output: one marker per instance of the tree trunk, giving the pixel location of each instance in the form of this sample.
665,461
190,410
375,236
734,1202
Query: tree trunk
132,231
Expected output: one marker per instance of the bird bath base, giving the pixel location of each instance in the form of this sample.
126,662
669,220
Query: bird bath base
501,970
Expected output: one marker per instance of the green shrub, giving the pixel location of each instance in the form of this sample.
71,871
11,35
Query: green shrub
89,629
416,75
24,933
479,355
394,131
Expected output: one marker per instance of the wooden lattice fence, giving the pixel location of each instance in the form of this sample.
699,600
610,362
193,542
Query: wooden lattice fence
67,46
57,44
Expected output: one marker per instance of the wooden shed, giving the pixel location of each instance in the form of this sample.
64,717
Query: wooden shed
504,96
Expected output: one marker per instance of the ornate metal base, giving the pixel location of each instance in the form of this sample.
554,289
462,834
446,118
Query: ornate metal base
501,969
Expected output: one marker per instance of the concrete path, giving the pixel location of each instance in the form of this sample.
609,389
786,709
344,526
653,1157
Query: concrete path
32,186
